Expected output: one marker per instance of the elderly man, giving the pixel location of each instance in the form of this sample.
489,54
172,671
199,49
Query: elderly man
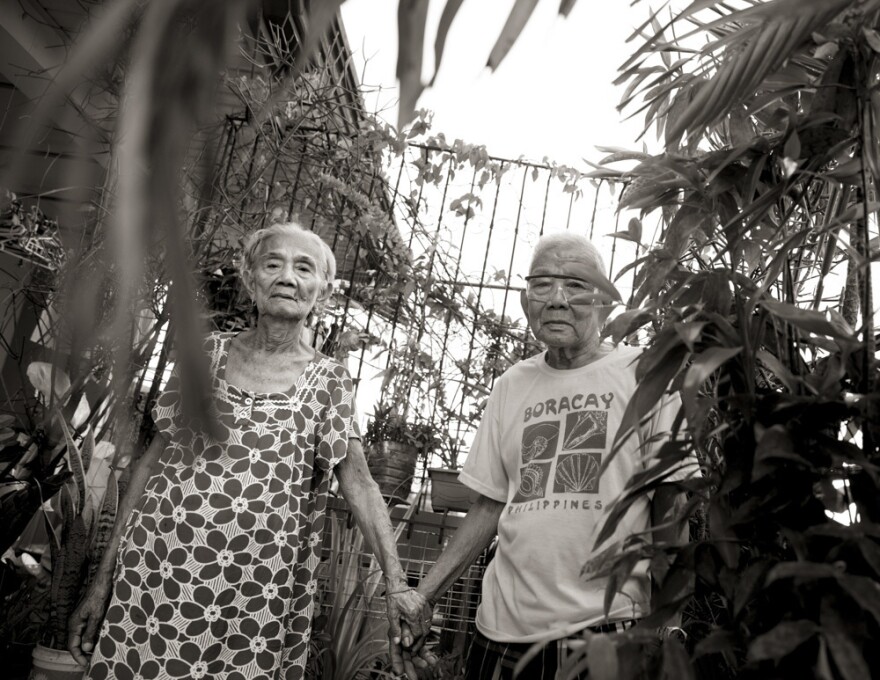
536,462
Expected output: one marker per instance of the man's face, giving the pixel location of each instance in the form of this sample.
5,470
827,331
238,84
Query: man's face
560,312
287,278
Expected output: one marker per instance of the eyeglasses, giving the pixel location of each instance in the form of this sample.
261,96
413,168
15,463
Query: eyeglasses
575,291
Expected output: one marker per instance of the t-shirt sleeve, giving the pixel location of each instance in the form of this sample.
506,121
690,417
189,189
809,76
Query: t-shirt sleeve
338,421
483,470
166,410
658,431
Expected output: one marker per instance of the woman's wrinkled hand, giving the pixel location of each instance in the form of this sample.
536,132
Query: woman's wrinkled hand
82,627
411,607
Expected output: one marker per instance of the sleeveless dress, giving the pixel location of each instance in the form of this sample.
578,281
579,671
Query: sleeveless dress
216,570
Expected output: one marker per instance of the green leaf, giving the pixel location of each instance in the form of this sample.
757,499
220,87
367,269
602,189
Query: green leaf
871,554
810,571
516,21
792,147
623,235
75,461
686,221
872,37
689,332
411,16
449,11
826,50
647,395
776,445
807,320
565,7
320,18
846,654
705,364
864,591
635,229
717,642
626,323
602,657
651,358
103,525
747,584
782,640
676,663
785,376
767,34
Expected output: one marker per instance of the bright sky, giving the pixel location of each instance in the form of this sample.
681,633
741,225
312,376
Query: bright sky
552,95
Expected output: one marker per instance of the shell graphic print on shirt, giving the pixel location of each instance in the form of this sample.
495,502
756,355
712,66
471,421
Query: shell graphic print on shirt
215,577
539,449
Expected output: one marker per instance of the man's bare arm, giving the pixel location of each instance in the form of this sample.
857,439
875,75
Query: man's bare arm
469,540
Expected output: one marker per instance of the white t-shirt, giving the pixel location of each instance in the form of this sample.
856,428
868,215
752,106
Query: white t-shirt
539,449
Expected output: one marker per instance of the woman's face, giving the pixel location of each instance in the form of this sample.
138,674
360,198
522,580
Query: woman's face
288,277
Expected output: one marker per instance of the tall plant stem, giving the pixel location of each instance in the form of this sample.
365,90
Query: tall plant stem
863,248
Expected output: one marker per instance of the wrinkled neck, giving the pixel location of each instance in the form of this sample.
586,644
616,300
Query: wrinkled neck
567,358
277,336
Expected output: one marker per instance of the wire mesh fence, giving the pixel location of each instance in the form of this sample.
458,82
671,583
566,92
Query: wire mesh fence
347,562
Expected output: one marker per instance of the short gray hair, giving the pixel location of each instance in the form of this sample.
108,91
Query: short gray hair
253,242
570,242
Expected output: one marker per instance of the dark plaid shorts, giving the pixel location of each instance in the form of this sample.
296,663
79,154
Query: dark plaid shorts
490,660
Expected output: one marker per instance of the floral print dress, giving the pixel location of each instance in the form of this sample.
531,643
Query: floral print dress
216,570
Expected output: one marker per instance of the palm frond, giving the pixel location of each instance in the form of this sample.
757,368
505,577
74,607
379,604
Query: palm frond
762,49
516,21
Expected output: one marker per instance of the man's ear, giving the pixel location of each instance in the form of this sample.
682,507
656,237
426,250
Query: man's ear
524,302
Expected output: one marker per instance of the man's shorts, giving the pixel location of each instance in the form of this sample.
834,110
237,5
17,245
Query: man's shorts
490,660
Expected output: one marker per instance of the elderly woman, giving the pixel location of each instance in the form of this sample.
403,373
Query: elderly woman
218,534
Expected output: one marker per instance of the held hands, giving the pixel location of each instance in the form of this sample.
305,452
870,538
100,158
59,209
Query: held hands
412,608
82,627
409,618
409,662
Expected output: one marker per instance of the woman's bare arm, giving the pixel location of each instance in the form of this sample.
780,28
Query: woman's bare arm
84,622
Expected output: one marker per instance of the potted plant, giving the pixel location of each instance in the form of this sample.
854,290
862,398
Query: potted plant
68,531
447,493
393,446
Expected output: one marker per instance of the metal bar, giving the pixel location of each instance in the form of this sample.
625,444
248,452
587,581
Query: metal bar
424,315
570,204
546,198
480,295
614,245
507,289
295,188
595,208
445,345
384,245
395,318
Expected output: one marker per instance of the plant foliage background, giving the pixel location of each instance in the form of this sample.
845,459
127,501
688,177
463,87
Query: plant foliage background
755,301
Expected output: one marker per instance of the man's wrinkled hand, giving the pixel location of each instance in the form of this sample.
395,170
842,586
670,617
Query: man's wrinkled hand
413,663
413,608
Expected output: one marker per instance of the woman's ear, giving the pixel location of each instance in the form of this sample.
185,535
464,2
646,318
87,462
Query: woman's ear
247,280
326,292
322,299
